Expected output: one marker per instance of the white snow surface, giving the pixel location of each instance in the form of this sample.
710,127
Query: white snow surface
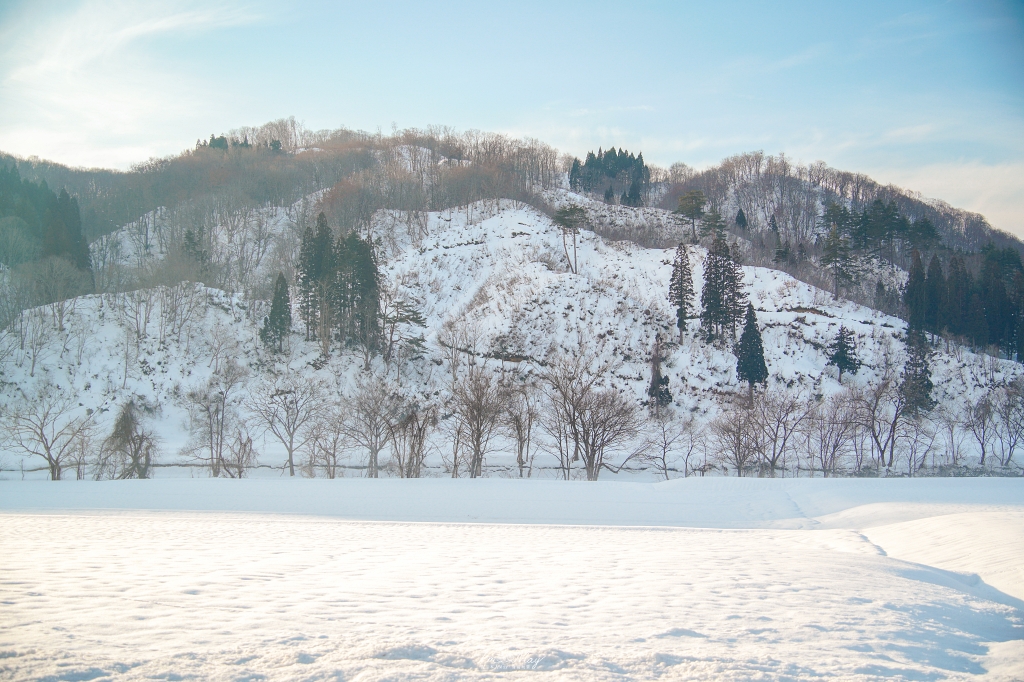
701,578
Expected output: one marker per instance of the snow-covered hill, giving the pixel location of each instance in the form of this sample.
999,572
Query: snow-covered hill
497,271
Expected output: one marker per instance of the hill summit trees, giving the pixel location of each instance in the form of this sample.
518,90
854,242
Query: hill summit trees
616,168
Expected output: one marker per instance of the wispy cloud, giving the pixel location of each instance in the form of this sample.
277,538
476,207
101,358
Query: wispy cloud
66,77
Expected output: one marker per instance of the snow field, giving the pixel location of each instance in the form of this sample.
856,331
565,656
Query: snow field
801,579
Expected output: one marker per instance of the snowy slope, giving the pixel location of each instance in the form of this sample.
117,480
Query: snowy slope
502,269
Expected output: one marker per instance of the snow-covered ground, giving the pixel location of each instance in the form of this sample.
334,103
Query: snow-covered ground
702,578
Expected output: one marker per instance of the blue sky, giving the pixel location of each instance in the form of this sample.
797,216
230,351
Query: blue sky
928,95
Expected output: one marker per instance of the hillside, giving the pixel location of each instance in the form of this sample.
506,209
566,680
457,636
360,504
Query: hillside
491,280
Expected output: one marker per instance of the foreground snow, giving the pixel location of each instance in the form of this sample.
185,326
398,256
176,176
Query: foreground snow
692,579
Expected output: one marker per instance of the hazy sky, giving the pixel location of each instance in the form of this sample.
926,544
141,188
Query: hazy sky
928,95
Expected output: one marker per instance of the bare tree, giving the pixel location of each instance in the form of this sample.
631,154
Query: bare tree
521,413
58,283
36,337
241,456
1008,410
608,420
669,440
45,425
568,379
777,416
478,402
949,421
327,442
129,450
457,337
880,408
979,420
372,410
212,409
733,437
829,428
409,437
917,436
286,407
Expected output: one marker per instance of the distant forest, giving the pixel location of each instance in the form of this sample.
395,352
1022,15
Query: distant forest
831,228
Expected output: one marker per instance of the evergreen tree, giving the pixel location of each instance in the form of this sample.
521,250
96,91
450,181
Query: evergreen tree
357,293
935,296
680,288
773,225
750,365
922,235
575,173
958,297
691,206
735,295
914,296
722,297
278,323
712,225
609,195
835,257
741,220
838,215
995,299
782,252
842,354
916,384
634,198
307,277
1019,338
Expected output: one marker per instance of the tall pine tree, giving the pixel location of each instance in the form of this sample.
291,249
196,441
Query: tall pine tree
835,257
916,383
722,297
712,224
691,206
278,323
680,288
842,354
914,296
750,365
934,296
958,297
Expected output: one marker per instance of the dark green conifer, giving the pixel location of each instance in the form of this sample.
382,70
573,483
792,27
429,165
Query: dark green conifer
842,354
935,296
914,296
916,383
278,324
741,220
680,288
750,365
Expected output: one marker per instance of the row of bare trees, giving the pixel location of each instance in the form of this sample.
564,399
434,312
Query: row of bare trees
865,430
